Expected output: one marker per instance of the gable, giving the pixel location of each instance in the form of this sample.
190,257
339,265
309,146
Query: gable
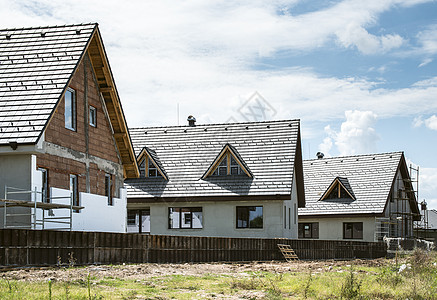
36,67
150,165
228,162
339,189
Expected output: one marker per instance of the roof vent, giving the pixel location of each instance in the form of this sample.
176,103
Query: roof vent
43,34
191,121
77,31
8,36
320,155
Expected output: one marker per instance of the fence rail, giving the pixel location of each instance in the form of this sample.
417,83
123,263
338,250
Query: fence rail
23,247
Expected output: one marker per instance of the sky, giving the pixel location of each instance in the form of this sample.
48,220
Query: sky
360,75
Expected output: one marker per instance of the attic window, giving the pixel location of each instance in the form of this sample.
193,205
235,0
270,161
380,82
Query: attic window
339,189
150,165
148,168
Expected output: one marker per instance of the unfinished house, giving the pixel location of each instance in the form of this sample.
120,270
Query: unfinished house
221,180
364,197
64,144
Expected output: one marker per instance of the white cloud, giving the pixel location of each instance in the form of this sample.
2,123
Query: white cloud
417,122
354,35
200,54
356,135
428,39
431,122
425,62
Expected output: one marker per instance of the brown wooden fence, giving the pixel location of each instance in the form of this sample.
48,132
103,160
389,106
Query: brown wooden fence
21,247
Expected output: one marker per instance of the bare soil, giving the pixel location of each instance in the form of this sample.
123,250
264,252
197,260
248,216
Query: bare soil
149,270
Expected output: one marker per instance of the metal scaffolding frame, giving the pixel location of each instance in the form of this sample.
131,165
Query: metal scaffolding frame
34,205
397,222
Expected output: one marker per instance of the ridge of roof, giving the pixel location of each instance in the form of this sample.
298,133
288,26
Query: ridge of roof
218,124
353,156
49,26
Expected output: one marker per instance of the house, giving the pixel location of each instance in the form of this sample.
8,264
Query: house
222,180
363,197
64,141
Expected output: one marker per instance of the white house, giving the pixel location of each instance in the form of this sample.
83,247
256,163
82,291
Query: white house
223,180
363,197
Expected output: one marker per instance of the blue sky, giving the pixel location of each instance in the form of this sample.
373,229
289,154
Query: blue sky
361,75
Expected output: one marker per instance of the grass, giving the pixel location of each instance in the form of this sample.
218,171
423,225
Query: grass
417,281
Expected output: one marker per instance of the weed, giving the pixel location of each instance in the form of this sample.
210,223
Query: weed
67,290
351,288
88,286
307,286
50,289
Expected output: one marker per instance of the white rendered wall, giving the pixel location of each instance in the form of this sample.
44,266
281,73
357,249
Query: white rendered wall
219,219
97,214
290,212
332,228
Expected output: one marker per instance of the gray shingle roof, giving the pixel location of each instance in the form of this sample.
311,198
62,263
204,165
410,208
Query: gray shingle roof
369,176
35,67
268,149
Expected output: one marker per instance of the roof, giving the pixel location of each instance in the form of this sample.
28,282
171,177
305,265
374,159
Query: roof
269,149
36,66
344,183
370,178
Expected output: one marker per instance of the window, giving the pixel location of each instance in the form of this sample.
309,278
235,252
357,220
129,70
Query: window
228,166
108,189
93,116
308,230
153,171
131,217
249,217
74,190
150,171
353,230
185,217
44,185
339,189
285,217
70,109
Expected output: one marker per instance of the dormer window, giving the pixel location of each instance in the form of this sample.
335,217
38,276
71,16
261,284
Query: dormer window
228,162
150,171
339,189
150,165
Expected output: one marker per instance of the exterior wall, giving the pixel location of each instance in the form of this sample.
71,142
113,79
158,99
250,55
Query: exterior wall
15,171
289,212
219,219
89,152
97,215
332,228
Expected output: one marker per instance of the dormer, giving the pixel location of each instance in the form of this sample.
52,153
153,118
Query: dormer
149,164
339,189
228,162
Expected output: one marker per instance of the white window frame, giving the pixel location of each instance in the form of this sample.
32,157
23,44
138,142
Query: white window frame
93,116
70,106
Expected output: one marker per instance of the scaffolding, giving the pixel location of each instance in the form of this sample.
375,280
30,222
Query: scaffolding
400,219
36,217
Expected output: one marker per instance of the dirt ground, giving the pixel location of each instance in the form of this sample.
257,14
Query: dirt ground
148,270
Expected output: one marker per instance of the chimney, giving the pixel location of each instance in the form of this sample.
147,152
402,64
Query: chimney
191,121
320,155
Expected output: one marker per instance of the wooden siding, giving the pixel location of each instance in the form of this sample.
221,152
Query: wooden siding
20,247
